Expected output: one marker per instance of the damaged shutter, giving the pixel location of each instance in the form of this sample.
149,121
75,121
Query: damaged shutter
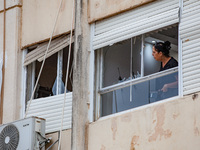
55,46
141,20
190,36
50,108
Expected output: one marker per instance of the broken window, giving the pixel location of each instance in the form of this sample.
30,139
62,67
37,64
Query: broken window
53,76
127,74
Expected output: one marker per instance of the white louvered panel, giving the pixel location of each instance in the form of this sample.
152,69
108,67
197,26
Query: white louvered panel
191,68
190,50
136,22
189,74
189,23
193,54
191,59
194,63
190,36
50,108
55,46
136,15
187,31
192,82
193,11
188,3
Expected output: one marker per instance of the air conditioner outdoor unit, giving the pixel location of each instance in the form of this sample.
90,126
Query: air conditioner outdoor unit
25,134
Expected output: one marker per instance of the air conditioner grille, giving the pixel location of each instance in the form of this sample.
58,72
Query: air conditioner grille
9,138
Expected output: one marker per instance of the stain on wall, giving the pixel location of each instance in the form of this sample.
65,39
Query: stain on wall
103,147
134,142
175,116
114,127
167,125
196,129
159,111
126,118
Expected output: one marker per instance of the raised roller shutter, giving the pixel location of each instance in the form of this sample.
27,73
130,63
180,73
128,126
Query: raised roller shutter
150,17
190,36
55,46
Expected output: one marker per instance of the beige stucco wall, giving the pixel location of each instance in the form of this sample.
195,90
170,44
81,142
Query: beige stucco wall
65,140
100,9
9,3
1,33
166,125
38,17
13,66
13,58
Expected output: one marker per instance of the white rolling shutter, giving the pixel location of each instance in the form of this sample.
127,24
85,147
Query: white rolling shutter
55,46
152,16
50,108
190,36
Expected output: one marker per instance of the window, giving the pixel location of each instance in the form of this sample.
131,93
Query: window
128,76
52,79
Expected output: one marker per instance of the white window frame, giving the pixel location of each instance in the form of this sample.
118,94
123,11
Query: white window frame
99,90
52,116
59,71
24,79
23,85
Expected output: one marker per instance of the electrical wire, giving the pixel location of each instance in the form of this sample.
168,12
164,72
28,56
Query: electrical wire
66,79
41,68
66,73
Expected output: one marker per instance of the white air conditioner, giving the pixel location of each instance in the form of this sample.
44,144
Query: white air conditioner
25,134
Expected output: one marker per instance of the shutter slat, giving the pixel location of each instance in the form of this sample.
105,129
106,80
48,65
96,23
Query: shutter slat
191,82
50,108
136,22
55,46
136,15
190,55
191,59
189,74
190,69
190,36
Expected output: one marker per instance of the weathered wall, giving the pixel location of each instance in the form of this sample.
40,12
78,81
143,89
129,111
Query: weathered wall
170,125
9,3
81,91
12,78
1,34
38,19
100,9
65,140
13,66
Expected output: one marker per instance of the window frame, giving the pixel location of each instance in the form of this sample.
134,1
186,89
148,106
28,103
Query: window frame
58,73
37,108
99,90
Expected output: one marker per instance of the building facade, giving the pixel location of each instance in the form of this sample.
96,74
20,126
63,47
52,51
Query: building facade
101,51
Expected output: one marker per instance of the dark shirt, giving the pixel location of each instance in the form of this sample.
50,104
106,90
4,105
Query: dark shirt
168,79
170,64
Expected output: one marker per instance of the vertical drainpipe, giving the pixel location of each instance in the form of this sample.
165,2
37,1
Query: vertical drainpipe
3,66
